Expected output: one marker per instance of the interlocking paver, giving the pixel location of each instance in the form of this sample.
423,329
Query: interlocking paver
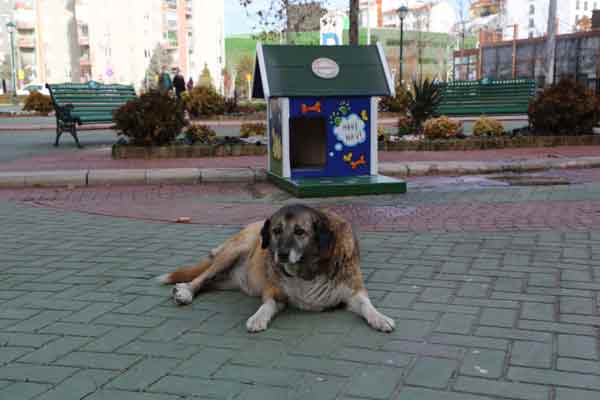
532,354
502,389
22,390
484,363
432,372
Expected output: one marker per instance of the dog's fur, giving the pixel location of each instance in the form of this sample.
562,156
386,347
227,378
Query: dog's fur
300,256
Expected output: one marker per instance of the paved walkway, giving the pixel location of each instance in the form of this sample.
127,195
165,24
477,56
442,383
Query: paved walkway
499,300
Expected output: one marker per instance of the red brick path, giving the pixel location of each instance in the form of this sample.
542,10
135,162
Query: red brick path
99,158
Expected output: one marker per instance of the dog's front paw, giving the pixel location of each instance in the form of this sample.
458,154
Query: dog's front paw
380,322
182,294
258,322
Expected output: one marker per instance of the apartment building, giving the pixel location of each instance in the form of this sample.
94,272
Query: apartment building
426,16
113,40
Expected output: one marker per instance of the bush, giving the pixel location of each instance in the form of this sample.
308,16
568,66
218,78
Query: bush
405,125
200,134
154,118
566,108
231,105
485,126
250,107
441,128
39,103
425,97
250,129
398,104
204,101
381,134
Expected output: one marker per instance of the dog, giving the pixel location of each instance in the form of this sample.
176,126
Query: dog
300,256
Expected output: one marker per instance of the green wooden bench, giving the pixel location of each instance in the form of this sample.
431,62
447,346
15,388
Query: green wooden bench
85,104
462,98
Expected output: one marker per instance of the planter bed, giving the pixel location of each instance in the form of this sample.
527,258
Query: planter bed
120,151
490,143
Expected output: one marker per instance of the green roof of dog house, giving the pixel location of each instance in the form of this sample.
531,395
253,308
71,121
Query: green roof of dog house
287,71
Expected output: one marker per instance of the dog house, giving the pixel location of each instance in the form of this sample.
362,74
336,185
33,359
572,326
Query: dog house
322,117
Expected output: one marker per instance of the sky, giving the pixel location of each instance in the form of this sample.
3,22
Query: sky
237,20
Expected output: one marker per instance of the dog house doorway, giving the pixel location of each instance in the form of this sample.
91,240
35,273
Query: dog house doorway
308,143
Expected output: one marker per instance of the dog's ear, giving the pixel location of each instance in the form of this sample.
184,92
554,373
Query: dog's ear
265,234
323,233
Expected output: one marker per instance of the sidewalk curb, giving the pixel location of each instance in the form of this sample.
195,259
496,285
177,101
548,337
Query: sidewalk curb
100,177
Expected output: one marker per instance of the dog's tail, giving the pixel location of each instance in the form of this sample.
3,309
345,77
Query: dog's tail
184,274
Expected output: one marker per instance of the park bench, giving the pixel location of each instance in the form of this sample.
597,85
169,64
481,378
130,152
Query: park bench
486,97
86,104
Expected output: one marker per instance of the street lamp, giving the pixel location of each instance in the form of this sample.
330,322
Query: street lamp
11,30
402,13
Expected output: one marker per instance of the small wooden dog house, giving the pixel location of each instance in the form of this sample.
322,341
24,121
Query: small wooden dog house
322,117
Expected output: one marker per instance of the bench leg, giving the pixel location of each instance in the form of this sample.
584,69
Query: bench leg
74,134
58,134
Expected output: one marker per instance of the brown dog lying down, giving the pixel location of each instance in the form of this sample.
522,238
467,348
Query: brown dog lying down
300,256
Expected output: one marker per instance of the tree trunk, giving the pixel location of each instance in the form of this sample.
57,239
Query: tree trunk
551,42
353,34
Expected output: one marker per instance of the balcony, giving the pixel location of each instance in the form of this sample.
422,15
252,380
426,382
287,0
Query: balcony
85,62
26,43
84,41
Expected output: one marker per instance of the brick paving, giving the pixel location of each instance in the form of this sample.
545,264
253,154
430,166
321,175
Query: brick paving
100,158
509,312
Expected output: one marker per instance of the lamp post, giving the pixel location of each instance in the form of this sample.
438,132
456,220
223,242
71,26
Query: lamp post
13,59
402,13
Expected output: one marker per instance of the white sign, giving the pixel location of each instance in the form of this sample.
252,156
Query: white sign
325,68
332,28
351,130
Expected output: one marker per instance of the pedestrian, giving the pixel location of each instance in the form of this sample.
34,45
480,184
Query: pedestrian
178,83
165,84
190,84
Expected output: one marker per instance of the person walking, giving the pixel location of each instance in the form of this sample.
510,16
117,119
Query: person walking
190,84
164,81
178,83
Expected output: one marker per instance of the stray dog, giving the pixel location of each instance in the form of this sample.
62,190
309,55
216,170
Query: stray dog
300,256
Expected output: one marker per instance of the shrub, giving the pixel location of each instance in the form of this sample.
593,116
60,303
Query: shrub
566,108
204,101
441,128
425,97
231,105
405,125
398,103
154,118
251,129
250,107
200,134
485,126
39,103
381,134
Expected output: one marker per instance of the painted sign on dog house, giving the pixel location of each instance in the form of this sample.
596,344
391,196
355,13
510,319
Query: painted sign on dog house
322,116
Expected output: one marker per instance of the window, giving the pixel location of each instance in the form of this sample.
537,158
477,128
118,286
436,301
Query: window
531,23
531,9
577,5
585,4
530,34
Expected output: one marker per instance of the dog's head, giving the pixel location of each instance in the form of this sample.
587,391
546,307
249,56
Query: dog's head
298,237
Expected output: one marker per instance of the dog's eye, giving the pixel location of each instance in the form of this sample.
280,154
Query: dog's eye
277,231
299,231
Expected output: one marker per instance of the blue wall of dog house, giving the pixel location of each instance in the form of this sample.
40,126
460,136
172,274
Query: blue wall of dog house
348,134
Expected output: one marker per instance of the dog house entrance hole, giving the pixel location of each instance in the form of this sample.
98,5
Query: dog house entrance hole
308,142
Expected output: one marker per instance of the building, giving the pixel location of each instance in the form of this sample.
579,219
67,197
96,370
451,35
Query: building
117,46
531,18
426,16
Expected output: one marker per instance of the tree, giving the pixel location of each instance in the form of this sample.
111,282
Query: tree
551,42
353,16
5,68
244,67
274,17
160,57
205,79
583,24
